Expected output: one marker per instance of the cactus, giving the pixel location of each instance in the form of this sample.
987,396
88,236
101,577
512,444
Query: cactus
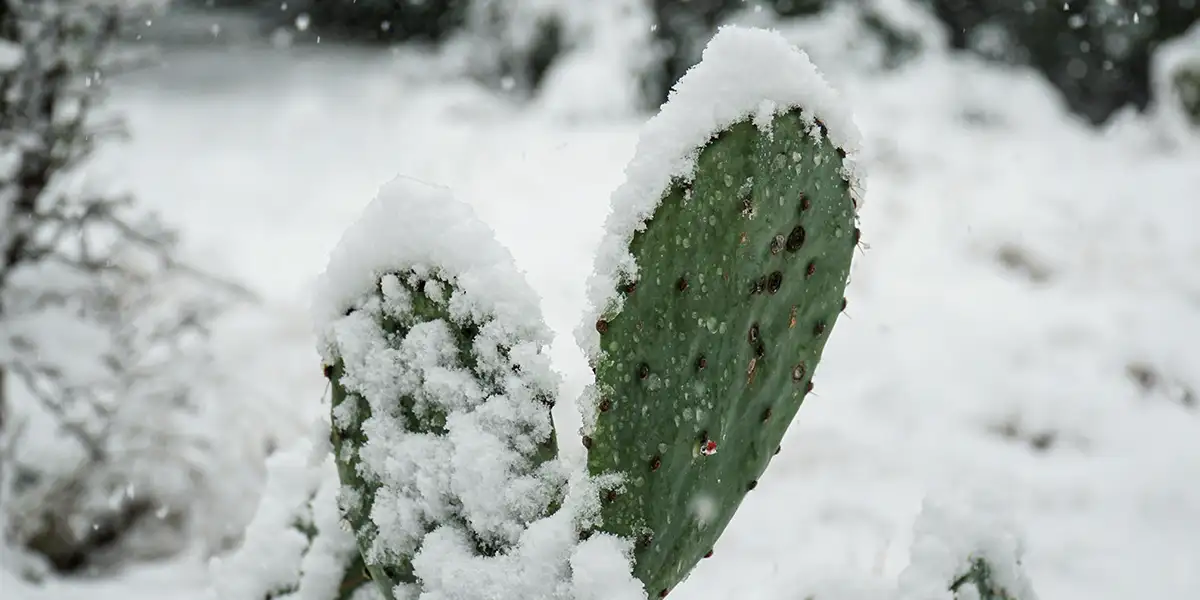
741,275
427,312
714,293
729,279
441,396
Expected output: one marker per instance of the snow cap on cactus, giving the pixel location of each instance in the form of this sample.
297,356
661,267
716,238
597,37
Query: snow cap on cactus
743,73
417,225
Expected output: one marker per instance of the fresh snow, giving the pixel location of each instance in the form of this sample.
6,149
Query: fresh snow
744,73
948,535
275,556
1020,266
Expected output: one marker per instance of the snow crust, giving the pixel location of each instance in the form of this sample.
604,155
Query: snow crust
743,73
440,495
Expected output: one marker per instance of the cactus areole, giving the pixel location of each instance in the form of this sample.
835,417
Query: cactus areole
740,266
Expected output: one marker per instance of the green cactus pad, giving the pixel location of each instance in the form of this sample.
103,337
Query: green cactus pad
351,411
741,278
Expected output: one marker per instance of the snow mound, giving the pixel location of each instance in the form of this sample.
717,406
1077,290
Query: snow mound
743,73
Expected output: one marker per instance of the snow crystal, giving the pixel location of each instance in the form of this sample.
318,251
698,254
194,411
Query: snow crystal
473,479
743,71
947,537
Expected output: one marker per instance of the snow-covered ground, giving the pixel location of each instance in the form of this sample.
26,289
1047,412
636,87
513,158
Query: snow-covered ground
1019,266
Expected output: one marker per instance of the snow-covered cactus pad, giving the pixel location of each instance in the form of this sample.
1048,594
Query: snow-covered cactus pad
719,282
441,419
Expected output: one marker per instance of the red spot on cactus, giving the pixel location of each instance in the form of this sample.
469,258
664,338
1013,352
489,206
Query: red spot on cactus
708,554
708,448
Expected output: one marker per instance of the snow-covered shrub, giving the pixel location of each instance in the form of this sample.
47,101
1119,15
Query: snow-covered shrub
1176,83
602,70
102,330
1095,52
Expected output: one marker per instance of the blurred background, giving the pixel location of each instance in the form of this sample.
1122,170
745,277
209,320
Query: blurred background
1022,322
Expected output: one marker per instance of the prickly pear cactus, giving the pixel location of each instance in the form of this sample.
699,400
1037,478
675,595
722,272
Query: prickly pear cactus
411,311
741,270
441,395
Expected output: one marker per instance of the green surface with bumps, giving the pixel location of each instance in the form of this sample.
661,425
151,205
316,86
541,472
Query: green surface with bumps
741,279
347,441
